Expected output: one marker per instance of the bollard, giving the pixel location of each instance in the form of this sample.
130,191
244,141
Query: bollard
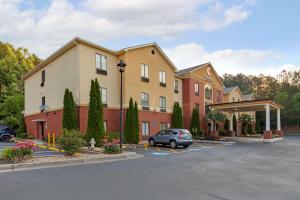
49,139
53,140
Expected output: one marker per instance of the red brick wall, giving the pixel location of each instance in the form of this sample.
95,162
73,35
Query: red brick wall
190,99
112,116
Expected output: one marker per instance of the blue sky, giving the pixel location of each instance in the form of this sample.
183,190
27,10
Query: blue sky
237,36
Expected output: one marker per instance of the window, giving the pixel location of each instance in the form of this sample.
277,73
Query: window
145,100
176,86
103,92
145,72
218,96
105,126
197,89
197,105
162,78
206,107
101,64
43,78
43,100
163,125
208,93
145,128
162,104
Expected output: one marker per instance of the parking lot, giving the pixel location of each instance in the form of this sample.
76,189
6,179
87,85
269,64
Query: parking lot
40,152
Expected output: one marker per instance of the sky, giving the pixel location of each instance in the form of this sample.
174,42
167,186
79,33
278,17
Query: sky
236,36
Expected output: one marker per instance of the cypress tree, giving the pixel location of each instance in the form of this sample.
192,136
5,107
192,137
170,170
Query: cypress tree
226,125
95,127
136,124
195,123
69,113
129,123
177,118
234,126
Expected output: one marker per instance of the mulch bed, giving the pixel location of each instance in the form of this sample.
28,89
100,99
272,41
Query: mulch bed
3,162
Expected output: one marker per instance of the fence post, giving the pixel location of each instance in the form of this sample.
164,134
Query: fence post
53,140
49,139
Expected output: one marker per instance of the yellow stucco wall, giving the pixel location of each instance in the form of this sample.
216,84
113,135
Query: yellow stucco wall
61,73
134,85
88,72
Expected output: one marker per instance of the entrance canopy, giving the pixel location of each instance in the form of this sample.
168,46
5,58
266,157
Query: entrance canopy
247,106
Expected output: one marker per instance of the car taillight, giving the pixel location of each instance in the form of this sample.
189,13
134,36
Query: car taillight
180,135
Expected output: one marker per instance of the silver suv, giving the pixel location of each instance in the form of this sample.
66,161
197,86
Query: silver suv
172,137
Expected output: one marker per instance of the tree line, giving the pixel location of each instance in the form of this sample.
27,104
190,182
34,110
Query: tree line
283,88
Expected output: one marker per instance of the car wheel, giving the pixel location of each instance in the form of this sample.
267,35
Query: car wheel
186,146
5,138
151,142
173,144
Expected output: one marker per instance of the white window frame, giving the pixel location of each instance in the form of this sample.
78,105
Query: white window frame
163,125
145,128
176,82
143,100
162,102
103,97
144,70
105,125
101,62
162,76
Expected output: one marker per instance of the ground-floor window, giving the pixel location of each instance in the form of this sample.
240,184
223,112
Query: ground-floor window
163,125
145,128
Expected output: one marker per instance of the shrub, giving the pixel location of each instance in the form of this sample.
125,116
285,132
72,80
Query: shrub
195,124
71,141
22,151
132,124
112,147
222,132
177,118
22,135
69,114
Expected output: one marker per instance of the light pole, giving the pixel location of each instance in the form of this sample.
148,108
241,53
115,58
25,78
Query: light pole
121,65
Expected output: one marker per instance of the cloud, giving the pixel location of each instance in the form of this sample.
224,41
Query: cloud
44,30
230,61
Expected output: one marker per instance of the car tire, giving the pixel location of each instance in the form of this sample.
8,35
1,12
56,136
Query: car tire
152,143
173,144
186,146
5,138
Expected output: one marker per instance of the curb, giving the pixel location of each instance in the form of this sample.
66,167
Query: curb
60,163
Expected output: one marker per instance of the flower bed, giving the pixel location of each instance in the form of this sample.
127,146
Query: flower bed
112,147
22,151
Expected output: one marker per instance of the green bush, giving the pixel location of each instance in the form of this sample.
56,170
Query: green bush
71,142
112,148
112,135
222,132
22,135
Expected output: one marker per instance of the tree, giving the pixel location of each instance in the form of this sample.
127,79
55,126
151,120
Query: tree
132,123
95,127
246,122
69,115
215,116
195,123
234,125
177,118
257,126
226,125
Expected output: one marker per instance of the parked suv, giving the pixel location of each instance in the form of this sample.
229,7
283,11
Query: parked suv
6,133
172,137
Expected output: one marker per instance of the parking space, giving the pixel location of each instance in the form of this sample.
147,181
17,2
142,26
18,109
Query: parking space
161,150
40,152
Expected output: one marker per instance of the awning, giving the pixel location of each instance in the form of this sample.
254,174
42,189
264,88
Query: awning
246,106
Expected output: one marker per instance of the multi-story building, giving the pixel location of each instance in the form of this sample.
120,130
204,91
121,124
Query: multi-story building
150,78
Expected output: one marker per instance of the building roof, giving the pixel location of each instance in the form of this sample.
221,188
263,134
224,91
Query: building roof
228,90
78,40
248,96
190,69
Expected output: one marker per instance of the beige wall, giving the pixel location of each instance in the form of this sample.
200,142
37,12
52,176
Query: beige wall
60,74
134,85
88,72
178,96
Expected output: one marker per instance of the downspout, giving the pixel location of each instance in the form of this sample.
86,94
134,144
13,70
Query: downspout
78,85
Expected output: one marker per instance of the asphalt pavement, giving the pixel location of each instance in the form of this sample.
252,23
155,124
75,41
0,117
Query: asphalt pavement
236,172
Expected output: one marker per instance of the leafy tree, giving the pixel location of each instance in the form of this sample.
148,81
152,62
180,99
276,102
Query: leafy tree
215,116
95,127
177,118
246,121
132,124
234,125
249,128
69,115
195,123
